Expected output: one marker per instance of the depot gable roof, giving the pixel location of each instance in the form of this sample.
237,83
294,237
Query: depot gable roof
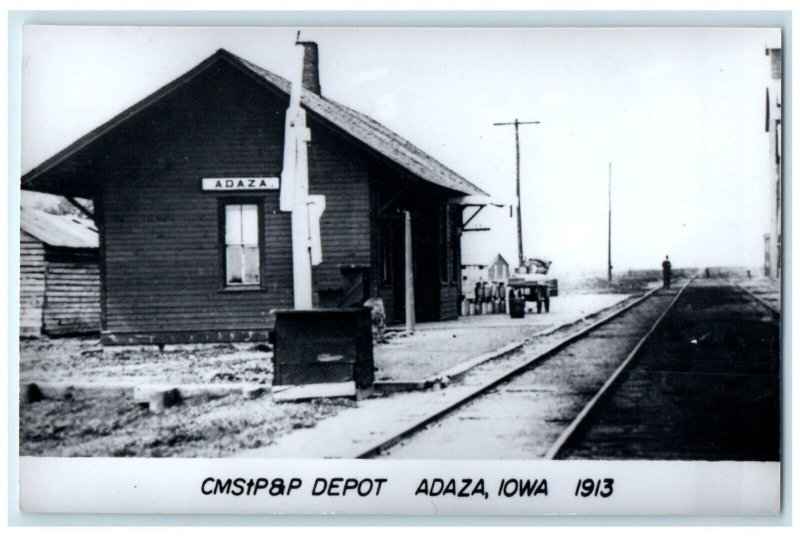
360,127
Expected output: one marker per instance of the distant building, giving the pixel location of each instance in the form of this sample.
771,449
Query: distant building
499,270
59,275
772,126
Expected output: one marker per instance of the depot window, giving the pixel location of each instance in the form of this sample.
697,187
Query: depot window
242,245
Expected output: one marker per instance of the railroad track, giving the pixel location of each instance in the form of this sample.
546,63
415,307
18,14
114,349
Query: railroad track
771,307
559,444
561,350
705,387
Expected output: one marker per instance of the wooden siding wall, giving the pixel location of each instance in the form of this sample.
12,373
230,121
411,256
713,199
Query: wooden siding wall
339,171
31,288
72,301
59,290
162,262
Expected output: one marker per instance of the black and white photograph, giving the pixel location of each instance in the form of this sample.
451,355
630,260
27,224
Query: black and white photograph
423,246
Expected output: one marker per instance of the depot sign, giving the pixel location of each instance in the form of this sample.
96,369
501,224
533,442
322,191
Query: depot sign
240,183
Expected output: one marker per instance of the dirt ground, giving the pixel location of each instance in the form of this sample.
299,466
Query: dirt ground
434,348
118,427
83,360
199,427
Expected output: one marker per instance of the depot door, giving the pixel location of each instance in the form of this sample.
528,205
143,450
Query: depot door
391,266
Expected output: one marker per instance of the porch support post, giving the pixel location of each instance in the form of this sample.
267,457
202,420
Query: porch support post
409,273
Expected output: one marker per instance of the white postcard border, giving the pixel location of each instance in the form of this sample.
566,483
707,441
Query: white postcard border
186,486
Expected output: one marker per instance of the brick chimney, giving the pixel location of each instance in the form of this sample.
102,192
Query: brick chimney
310,66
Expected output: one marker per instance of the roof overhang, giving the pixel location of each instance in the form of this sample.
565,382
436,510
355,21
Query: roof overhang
483,201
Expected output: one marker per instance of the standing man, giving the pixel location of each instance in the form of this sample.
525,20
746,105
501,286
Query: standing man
666,267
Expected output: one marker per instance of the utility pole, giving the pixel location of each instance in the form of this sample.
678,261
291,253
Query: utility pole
516,125
609,223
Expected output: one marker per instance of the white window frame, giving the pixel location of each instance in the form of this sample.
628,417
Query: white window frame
244,239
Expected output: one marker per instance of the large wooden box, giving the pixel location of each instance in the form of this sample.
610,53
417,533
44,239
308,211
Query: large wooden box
323,346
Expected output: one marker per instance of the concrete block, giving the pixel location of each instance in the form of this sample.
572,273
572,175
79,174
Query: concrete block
141,394
313,391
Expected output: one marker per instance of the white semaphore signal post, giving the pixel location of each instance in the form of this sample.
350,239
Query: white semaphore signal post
294,197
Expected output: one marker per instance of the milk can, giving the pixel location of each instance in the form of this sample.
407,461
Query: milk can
501,291
479,294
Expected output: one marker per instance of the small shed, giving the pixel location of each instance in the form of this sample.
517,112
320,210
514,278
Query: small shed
59,275
474,271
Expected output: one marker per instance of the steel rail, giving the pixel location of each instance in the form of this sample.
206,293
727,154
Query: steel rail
770,307
409,430
565,436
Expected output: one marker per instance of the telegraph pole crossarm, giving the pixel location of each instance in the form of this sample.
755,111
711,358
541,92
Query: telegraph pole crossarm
516,123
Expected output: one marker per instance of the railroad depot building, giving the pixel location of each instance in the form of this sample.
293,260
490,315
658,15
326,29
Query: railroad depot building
193,244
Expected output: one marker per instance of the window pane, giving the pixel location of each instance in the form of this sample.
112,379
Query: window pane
241,245
233,263
250,225
251,264
233,224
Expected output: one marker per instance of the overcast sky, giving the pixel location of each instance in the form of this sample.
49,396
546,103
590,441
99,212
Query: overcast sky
679,113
